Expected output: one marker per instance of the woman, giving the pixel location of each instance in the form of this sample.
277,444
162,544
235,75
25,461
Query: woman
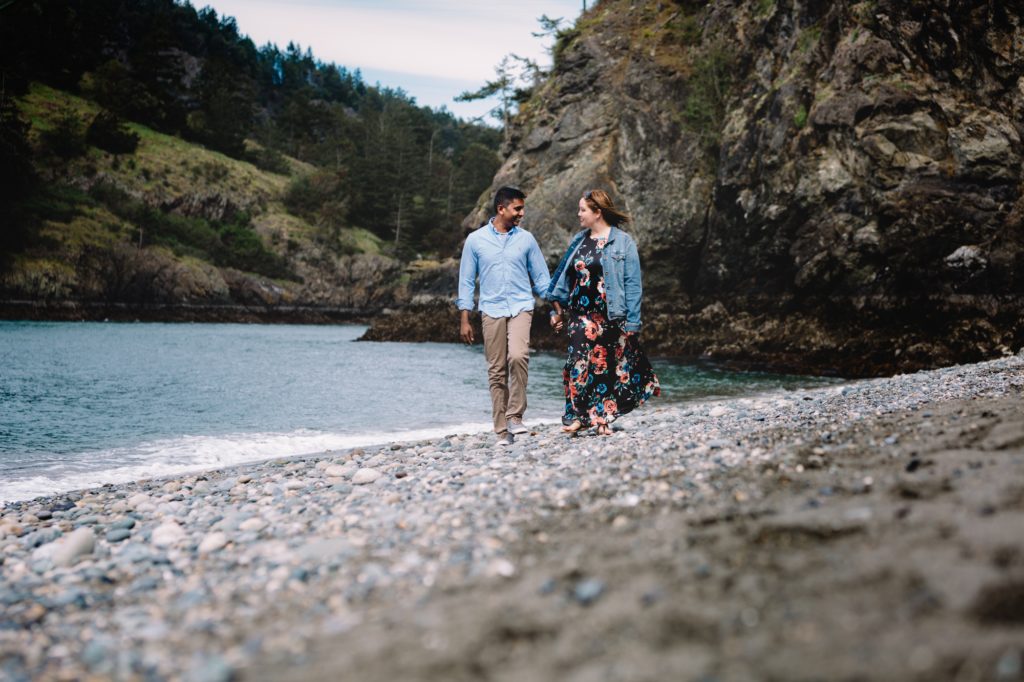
598,281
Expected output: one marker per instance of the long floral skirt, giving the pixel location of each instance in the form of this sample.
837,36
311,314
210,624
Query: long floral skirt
607,373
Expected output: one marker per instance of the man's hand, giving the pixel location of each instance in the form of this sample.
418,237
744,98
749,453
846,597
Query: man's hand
466,329
556,322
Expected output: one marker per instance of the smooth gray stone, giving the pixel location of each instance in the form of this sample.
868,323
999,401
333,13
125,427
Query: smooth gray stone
96,657
231,521
70,597
41,537
324,550
135,553
588,591
213,542
226,485
65,504
1009,666
79,542
41,566
145,584
122,523
211,669
190,600
118,534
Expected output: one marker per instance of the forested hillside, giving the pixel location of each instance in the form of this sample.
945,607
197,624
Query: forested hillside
93,96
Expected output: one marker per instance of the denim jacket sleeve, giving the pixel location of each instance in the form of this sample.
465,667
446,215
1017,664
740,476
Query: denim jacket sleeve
558,290
633,288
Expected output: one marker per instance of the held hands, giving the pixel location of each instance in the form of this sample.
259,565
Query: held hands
556,322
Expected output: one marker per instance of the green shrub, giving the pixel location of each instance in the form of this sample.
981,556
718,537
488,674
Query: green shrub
809,37
109,132
709,90
67,137
687,29
243,249
269,160
800,117
17,178
321,198
211,171
232,244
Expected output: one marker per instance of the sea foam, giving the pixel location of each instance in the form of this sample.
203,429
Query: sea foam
187,454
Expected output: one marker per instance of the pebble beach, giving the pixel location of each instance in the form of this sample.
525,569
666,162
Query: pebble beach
869,530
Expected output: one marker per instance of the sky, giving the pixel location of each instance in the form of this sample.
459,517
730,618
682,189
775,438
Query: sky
432,49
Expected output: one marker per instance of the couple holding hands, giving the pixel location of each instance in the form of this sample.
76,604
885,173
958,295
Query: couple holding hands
595,294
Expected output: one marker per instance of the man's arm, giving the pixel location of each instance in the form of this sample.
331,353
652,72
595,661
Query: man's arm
538,268
467,283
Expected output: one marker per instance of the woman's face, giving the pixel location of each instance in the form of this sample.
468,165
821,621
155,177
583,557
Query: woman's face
588,217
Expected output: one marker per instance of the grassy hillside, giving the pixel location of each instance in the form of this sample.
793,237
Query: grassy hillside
169,207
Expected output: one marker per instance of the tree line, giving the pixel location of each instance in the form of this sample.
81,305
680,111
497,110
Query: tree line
405,172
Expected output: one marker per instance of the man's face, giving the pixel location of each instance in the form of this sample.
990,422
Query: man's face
512,212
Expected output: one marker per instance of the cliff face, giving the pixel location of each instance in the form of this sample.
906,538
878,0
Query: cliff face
830,187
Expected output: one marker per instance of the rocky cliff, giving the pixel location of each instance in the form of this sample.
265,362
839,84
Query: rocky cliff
827,187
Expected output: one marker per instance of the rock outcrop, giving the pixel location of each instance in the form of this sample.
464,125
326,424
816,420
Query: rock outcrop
826,187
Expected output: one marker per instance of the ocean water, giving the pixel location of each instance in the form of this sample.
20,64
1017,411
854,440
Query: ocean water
83,404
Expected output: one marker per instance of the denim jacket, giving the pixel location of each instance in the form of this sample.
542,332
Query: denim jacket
622,279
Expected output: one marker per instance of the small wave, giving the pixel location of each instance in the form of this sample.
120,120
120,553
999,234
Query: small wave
198,453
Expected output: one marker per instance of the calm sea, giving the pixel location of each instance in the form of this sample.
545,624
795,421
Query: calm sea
82,404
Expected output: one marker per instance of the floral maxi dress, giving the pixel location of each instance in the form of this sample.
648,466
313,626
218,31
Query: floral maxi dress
607,373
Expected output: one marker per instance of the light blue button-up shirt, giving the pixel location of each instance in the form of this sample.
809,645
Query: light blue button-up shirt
511,269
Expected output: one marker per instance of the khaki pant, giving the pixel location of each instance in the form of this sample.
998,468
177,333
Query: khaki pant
507,349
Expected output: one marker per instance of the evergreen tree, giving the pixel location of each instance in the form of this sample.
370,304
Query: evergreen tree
405,172
16,174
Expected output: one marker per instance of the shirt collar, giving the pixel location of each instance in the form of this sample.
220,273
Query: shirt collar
490,224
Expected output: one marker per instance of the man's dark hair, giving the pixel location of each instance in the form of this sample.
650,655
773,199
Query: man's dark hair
505,195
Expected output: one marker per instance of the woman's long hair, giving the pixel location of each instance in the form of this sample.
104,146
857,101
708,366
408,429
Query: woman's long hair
598,200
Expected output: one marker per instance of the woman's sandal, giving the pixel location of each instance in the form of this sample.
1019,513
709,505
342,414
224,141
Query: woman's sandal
604,430
573,427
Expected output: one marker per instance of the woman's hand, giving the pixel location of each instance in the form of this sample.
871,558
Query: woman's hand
556,322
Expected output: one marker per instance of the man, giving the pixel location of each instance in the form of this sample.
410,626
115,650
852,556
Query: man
511,269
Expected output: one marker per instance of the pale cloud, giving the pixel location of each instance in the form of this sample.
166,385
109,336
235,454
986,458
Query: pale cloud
450,39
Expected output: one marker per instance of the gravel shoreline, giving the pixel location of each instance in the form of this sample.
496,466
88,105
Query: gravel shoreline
453,558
